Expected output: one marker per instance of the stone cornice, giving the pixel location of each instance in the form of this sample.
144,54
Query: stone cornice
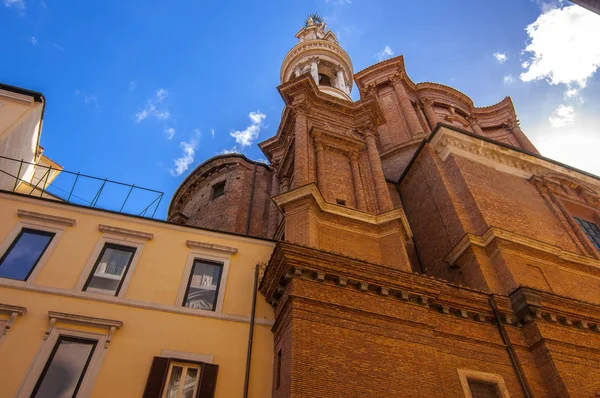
532,305
209,246
310,191
342,143
292,261
45,218
446,141
494,233
12,311
131,233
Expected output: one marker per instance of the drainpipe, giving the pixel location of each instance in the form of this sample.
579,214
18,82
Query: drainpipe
251,200
251,333
511,350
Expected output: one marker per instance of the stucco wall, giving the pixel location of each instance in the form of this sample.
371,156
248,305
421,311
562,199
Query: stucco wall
152,319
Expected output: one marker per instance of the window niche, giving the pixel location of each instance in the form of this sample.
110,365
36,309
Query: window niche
218,190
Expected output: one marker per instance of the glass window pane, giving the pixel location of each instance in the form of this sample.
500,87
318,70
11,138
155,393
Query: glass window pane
110,270
65,369
24,253
191,379
173,386
203,285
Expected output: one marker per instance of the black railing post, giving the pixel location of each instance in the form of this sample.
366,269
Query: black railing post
18,176
127,197
73,187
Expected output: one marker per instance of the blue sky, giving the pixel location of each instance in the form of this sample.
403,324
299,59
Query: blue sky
139,90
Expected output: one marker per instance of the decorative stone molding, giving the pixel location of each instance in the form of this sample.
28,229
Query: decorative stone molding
311,191
532,305
12,311
210,246
110,324
45,218
338,143
290,262
125,232
466,375
493,234
501,157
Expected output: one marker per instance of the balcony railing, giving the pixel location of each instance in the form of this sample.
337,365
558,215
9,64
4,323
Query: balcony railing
55,183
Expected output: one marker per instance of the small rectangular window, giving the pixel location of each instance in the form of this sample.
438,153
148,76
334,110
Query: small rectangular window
278,372
65,368
203,286
182,380
484,389
24,253
218,189
341,202
110,269
591,230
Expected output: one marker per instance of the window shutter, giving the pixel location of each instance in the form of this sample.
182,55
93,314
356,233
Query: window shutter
157,378
208,381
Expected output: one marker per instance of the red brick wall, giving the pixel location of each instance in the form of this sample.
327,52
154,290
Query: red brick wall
351,343
229,212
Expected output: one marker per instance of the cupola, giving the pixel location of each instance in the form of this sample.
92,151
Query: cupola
319,53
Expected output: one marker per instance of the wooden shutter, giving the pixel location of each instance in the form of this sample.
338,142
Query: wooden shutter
208,381
157,378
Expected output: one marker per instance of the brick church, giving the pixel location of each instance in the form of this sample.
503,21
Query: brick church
425,247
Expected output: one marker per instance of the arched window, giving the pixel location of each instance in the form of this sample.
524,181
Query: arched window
324,80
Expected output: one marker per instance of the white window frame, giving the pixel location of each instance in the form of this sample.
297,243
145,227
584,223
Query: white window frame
184,366
114,236
212,253
466,374
51,338
40,222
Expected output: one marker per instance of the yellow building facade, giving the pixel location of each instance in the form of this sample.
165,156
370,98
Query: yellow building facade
104,304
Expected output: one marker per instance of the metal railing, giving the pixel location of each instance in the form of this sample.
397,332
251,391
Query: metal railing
84,189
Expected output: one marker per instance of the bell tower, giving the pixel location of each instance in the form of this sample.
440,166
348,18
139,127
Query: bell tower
319,54
331,188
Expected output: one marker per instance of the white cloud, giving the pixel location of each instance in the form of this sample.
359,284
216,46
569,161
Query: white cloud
151,110
170,132
571,92
90,99
250,134
182,163
17,4
508,79
161,94
164,115
562,116
33,40
143,114
212,132
563,46
57,47
227,151
500,57
385,53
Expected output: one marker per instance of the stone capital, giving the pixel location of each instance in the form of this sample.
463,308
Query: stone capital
511,124
473,120
353,157
301,108
395,79
427,102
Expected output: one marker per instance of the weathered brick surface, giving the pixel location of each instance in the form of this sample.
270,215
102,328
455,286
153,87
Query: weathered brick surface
229,212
